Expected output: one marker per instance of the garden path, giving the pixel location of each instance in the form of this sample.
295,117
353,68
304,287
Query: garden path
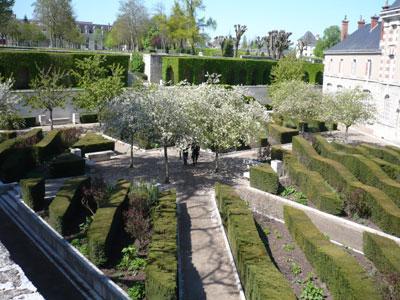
207,270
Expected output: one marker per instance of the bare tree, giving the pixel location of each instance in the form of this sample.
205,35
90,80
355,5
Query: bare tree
240,31
220,42
301,45
259,41
277,42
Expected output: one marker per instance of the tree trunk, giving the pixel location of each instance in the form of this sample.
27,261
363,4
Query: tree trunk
216,162
166,164
346,135
236,49
51,119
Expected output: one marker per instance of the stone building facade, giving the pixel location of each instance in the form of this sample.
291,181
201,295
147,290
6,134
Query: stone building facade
370,59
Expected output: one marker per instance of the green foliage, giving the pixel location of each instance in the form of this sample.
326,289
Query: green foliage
137,63
49,146
26,64
130,260
228,50
288,247
262,177
330,38
291,192
67,165
88,118
32,191
288,68
384,212
81,245
295,268
137,291
345,278
162,265
387,154
93,142
281,135
311,292
258,274
278,153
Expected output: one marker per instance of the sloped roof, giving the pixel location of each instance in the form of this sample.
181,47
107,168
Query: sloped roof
309,38
396,4
364,40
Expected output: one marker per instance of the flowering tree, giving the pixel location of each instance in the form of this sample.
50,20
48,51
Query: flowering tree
8,103
298,100
348,107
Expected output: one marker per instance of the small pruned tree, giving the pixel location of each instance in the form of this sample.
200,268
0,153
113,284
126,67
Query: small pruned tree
259,42
51,91
220,42
228,50
288,68
349,107
240,30
8,105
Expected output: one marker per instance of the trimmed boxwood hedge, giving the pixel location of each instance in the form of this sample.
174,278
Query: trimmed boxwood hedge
65,207
162,263
88,118
234,71
367,171
49,146
107,222
345,278
6,135
262,177
24,64
278,152
67,165
384,212
314,186
33,191
92,142
281,135
259,276
393,148
384,153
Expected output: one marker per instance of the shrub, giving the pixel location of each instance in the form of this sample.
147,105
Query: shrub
258,274
384,211
384,153
162,265
278,152
314,186
32,191
6,135
344,276
281,135
49,146
393,148
66,206
93,142
70,136
363,168
262,177
67,165
106,225
88,118
25,64
137,63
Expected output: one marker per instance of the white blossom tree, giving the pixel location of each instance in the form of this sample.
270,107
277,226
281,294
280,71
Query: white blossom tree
8,104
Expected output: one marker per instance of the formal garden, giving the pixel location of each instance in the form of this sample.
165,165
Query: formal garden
129,228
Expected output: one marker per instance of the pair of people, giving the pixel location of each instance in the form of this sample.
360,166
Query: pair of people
195,154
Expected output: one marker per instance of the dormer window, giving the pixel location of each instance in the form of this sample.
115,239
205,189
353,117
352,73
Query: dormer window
392,51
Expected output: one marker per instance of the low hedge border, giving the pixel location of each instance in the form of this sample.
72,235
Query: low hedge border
33,191
345,278
363,168
162,263
384,212
49,146
281,135
88,118
393,148
67,165
66,204
262,177
278,152
384,153
314,186
93,142
107,222
6,135
259,276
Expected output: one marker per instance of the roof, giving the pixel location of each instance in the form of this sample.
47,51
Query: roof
309,38
396,4
363,40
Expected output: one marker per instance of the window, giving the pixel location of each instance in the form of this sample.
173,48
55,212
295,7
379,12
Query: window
330,65
368,69
340,66
354,67
387,108
329,87
392,51
340,87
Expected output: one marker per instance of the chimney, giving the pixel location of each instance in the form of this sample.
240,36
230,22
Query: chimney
345,29
361,23
386,5
374,21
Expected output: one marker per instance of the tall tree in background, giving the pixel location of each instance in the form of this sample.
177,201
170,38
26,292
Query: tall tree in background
245,44
330,38
277,42
220,42
5,11
239,31
259,43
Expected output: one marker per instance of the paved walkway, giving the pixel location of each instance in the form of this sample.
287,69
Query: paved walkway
207,271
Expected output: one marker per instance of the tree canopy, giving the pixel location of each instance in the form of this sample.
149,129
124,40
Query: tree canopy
330,38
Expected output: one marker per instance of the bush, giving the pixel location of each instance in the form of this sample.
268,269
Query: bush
70,136
88,118
137,63
281,135
106,225
384,153
345,278
66,206
25,64
93,142
384,212
6,135
262,177
258,274
393,148
314,186
233,70
67,165
162,267
363,168
49,146
33,191
278,153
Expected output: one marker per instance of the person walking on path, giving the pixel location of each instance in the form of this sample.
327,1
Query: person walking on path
195,153
185,155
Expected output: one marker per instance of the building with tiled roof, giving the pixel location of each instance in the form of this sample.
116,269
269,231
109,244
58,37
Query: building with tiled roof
308,42
369,58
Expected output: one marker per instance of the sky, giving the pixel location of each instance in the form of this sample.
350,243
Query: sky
260,16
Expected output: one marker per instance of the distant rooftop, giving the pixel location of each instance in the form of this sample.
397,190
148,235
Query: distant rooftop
396,4
309,38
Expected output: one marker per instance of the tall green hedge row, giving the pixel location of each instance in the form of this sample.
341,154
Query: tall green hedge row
162,264
49,146
281,135
345,278
387,154
66,206
33,192
384,212
107,222
67,165
367,171
234,71
22,65
259,276
314,186
262,177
